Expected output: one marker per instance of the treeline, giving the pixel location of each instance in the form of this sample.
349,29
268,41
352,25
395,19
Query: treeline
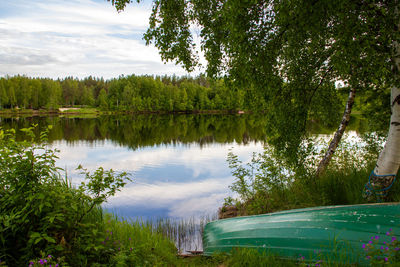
126,93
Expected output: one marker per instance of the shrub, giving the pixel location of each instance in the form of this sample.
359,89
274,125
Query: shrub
41,211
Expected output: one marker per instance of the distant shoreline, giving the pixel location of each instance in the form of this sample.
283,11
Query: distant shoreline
95,111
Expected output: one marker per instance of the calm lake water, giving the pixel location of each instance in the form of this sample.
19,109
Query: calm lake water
177,163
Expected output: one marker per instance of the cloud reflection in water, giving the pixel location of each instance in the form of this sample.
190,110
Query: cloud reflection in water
175,180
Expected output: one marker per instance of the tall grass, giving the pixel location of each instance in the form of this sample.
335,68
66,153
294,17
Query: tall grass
185,233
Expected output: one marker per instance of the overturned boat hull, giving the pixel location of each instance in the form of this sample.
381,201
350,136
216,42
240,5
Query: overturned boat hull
338,232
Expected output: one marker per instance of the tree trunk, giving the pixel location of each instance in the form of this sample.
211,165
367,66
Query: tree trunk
338,134
388,162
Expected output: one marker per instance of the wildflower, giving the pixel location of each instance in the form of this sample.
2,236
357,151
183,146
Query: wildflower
381,247
131,249
45,261
364,246
397,249
56,265
386,259
49,256
41,261
370,242
394,238
368,257
130,239
387,248
377,237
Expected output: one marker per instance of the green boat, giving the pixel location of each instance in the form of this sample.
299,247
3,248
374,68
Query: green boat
337,232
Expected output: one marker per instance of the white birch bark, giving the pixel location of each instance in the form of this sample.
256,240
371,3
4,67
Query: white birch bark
338,134
389,160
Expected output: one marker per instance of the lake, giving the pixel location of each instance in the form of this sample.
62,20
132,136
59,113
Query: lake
177,162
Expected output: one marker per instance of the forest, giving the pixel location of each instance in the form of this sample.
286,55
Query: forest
127,93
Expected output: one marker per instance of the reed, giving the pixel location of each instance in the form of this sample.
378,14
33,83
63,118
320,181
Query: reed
186,233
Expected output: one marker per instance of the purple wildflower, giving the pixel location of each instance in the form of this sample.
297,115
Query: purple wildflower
397,249
387,233
370,242
377,237
364,246
56,265
49,256
387,248
368,257
41,261
381,247
394,238
386,259
130,238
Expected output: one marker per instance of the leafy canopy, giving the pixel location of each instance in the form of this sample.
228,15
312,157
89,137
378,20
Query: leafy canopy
293,51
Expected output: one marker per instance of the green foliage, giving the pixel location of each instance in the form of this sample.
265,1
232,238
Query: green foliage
134,244
39,211
269,182
288,53
127,93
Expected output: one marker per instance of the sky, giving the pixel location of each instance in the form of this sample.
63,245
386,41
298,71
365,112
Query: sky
79,38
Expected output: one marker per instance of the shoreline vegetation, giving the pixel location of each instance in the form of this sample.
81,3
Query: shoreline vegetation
47,232
96,111
85,235
138,94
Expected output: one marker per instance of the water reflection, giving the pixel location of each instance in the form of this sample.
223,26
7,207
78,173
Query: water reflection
178,181
149,130
178,163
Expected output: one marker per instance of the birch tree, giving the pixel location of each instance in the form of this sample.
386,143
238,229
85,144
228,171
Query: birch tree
294,52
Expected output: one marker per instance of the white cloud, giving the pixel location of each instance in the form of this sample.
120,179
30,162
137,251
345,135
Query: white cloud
62,38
